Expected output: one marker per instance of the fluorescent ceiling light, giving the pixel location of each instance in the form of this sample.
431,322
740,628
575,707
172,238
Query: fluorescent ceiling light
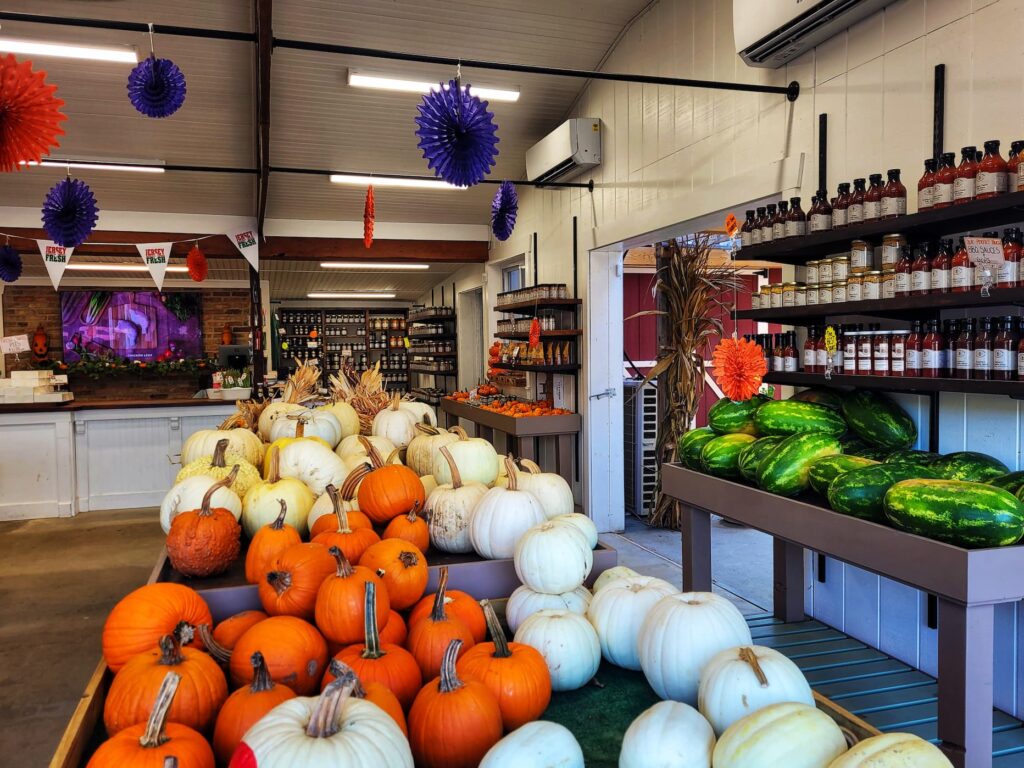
359,79
90,166
349,295
392,181
369,265
92,267
117,53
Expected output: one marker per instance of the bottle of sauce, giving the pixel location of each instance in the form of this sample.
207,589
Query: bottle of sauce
779,222
926,186
778,353
873,198
920,273
983,350
1004,350
796,219
965,186
933,347
865,352
765,340
894,196
821,213
992,172
962,273
855,210
963,349
904,270
840,209
950,330
755,230
1013,173
941,267
810,350
837,355
789,357
768,223
1008,275
745,230
880,362
898,353
850,341
912,354
945,181
821,355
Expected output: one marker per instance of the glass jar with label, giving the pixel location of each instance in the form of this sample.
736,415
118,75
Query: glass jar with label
788,294
812,295
811,275
840,268
854,287
855,210
755,301
776,301
880,353
897,353
926,186
839,292
1004,350
861,256
945,181
892,248
941,267
824,293
824,271
894,196
766,296
873,198
865,352
871,285
904,270
965,186
851,339
992,170
801,295
888,283
796,220
1008,273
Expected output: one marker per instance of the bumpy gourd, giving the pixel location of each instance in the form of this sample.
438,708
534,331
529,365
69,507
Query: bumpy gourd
219,465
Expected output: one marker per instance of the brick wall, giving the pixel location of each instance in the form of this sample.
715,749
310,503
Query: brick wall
220,308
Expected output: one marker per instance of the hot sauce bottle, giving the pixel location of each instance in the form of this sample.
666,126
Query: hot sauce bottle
789,358
941,267
898,351
950,331
778,353
1008,274
965,186
821,353
873,198
962,273
796,219
992,172
855,210
779,222
894,196
810,350
840,209
945,181
912,358
904,270
821,213
1013,180
755,232
933,347
768,224
963,349
1004,350
983,347
745,230
926,186
920,272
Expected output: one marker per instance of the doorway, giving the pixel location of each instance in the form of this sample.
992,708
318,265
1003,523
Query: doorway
469,309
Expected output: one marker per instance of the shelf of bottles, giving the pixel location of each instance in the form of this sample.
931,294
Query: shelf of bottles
433,349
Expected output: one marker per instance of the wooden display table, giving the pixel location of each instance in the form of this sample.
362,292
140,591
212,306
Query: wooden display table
967,583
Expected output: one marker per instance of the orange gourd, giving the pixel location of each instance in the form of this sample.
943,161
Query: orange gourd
339,604
411,528
395,630
143,616
245,706
458,604
268,544
374,662
351,541
294,651
453,722
373,692
404,570
205,541
389,490
233,627
356,519
516,673
290,586
150,744
430,638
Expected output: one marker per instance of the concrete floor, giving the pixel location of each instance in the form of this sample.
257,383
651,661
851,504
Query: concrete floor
60,577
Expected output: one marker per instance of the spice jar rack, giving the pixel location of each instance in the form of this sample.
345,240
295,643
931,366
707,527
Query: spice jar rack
433,346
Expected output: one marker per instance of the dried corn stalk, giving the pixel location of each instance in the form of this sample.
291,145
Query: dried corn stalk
302,385
364,392
247,416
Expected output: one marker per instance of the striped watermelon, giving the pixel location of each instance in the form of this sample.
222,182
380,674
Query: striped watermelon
962,513
827,469
920,458
751,455
831,398
720,457
691,444
732,416
861,492
786,468
971,466
879,420
1011,481
791,417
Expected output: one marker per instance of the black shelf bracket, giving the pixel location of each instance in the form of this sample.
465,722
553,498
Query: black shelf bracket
823,151
939,110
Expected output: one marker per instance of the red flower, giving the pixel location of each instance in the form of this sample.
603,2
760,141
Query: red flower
739,366
369,215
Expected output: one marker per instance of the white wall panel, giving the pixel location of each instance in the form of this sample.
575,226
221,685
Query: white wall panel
37,460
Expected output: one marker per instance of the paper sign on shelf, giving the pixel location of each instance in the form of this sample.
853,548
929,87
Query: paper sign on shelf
56,258
985,251
732,226
155,256
12,345
247,243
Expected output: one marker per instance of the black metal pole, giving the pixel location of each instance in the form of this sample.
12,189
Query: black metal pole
823,152
939,110
259,364
535,258
129,26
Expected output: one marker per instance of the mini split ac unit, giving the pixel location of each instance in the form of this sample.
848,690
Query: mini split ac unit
771,32
571,149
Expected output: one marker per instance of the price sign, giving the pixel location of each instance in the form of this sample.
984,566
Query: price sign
12,345
830,349
986,253
731,225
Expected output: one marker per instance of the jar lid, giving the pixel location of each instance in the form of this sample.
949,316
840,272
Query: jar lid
801,287
840,258
788,285
895,235
879,271
839,284
856,243
814,261
824,285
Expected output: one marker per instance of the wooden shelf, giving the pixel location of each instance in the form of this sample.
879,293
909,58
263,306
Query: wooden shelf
571,334
526,426
913,384
434,318
974,216
529,307
571,368
413,338
414,351
414,369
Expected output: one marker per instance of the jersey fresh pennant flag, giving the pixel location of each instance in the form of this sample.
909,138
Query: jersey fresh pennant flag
156,256
56,258
247,243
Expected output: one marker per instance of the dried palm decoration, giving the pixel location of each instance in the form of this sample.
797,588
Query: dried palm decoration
302,385
364,392
693,296
247,416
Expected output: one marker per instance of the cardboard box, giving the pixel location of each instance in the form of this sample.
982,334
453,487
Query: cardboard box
53,397
31,378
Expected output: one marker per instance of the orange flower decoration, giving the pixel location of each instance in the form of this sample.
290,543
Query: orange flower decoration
369,215
739,366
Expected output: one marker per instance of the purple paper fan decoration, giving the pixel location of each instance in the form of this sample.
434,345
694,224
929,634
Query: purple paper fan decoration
156,87
504,208
457,135
10,264
69,212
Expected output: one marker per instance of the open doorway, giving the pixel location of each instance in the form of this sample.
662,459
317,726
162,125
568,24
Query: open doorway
469,307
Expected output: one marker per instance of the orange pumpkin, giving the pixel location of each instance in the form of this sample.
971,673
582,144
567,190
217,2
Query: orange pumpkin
245,706
516,673
295,654
374,662
460,605
411,528
404,570
351,541
205,541
453,722
233,627
375,692
149,744
356,519
430,638
269,542
201,691
395,630
290,586
143,616
389,490
339,604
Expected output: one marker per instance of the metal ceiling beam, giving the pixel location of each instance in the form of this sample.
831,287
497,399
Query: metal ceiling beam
129,26
264,51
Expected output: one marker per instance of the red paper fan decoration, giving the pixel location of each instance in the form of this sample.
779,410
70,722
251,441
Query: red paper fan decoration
534,333
739,367
196,263
29,114
368,215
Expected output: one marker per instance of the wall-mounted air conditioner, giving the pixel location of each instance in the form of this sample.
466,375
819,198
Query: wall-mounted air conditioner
571,149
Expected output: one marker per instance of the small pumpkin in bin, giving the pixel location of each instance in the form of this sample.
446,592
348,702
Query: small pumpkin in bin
339,603
410,527
294,578
353,542
245,707
227,632
389,490
402,566
430,637
294,651
322,516
205,541
269,542
460,605
373,692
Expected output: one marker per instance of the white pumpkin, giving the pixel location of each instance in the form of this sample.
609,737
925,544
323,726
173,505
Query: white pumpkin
397,425
308,423
355,446
188,495
423,413
272,413
583,523
314,464
553,557
790,735
240,441
668,735
347,497
501,516
617,612
680,635
609,575
738,681
539,744
551,488
477,460
892,750
524,602
449,510
262,502
429,484
346,415
419,456
568,644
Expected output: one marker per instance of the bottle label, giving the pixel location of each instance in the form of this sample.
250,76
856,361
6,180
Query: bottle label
925,198
897,363
1012,180
913,358
902,282
899,349
881,364
1002,360
920,280
839,217
766,234
854,292
1009,272
864,349
778,230
991,181
860,258
963,277
940,279
983,359
745,239
821,222
943,194
872,210
882,350
778,362
894,206
755,237
855,213
821,358
812,273
1020,363
837,360
789,364
809,358
796,228
983,274
964,359
964,188
864,364
931,359
850,349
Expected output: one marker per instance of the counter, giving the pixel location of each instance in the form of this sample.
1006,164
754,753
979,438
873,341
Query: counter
57,460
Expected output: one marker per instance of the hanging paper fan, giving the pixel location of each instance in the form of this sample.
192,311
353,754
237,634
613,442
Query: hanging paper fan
368,218
29,114
156,87
10,264
69,212
457,135
739,367
504,208
534,333
196,263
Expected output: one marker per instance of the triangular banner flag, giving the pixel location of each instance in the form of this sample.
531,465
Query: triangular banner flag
56,258
246,242
156,256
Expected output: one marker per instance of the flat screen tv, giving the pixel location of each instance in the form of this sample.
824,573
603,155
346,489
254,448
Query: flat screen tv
138,325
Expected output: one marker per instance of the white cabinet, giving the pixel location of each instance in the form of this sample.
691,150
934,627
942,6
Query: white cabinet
37,465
